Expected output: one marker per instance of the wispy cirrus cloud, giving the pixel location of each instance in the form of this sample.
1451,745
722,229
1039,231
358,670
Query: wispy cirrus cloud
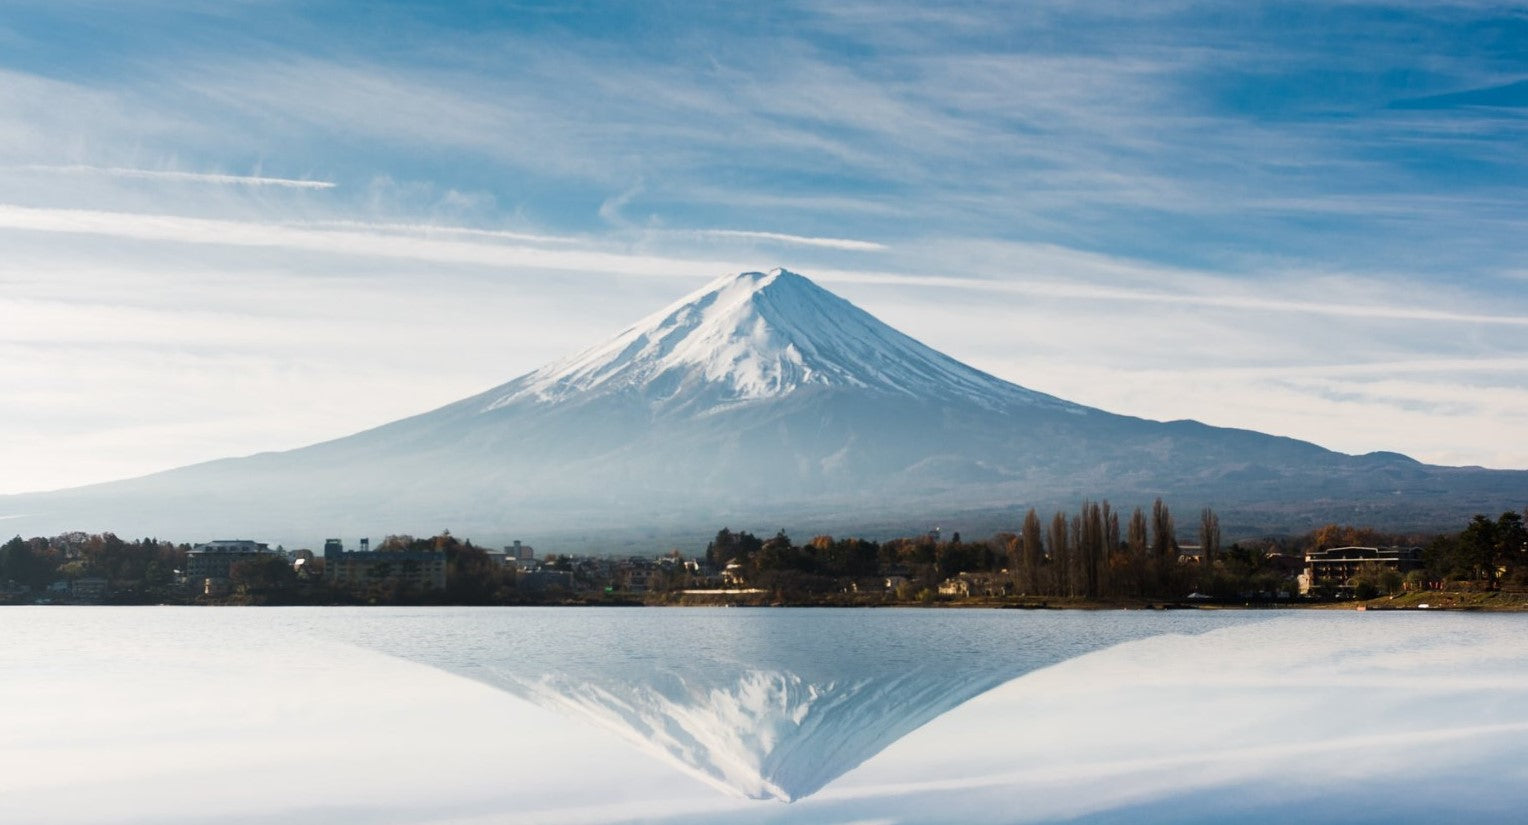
428,229
965,121
363,240
174,176
795,240
356,242
1228,299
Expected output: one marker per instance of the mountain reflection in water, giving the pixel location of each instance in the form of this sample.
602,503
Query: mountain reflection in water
768,704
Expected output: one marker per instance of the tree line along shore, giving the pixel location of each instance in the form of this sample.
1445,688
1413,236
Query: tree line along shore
1097,557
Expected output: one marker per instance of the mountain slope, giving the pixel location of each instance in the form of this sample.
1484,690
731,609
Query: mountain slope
760,399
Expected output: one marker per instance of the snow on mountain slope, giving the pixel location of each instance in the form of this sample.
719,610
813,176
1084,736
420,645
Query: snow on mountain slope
756,336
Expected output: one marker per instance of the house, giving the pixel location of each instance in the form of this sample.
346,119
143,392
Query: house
90,589
886,584
525,565
634,575
975,584
958,587
543,580
500,557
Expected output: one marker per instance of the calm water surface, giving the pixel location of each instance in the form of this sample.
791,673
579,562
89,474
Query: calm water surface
704,715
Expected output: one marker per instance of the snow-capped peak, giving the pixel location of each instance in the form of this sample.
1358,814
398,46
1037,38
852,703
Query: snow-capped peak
758,335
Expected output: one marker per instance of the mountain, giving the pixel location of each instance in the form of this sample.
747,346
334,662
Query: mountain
760,400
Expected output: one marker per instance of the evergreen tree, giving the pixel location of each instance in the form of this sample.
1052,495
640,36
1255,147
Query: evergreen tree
722,549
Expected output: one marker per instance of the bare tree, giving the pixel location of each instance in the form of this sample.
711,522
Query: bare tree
1089,530
1032,551
1060,553
1164,541
1164,547
1137,534
1109,566
1209,536
1080,561
1111,529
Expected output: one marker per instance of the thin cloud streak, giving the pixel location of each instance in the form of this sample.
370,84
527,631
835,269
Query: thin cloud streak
1441,366
217,232
440,229
207,231
179,177
799,240
1056,289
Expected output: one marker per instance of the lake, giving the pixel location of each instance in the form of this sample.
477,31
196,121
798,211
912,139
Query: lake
586,715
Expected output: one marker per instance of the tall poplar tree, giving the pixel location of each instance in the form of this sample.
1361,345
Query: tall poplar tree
1164,547
1164,541
1089,528
1209,537
1061,561
1033,550
1136,537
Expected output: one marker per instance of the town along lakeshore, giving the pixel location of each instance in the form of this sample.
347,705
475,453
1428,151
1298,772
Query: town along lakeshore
1085,561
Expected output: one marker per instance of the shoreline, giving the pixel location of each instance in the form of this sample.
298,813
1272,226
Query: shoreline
1426,601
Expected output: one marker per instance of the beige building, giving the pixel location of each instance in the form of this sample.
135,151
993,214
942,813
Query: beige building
975,584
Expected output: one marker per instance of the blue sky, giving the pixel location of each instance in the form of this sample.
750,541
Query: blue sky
252,225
